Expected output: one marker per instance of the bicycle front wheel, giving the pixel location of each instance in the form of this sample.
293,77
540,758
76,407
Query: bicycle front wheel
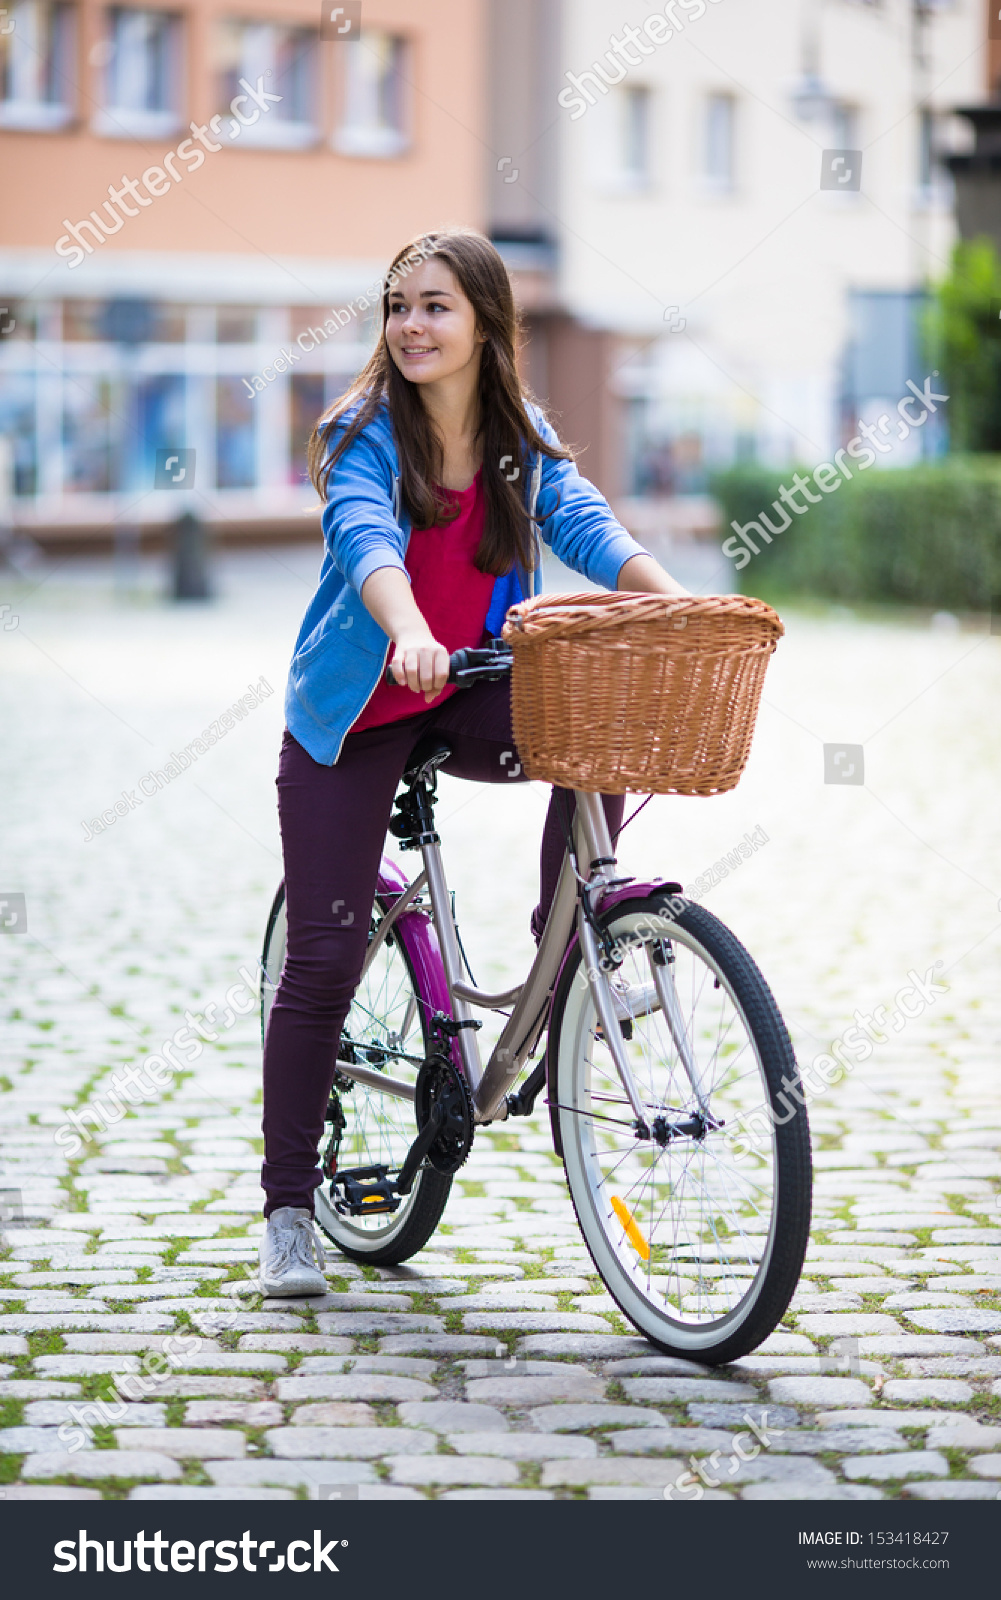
699,1230
387,1029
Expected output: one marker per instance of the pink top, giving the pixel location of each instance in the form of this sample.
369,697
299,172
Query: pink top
451,594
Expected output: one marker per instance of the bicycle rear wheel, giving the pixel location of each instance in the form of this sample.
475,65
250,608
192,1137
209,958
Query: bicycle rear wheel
386,1028
700,1231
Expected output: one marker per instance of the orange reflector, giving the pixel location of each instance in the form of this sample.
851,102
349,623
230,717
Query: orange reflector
633,1233
372,1200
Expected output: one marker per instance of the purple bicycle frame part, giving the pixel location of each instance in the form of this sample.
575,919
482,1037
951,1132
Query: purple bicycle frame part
417,933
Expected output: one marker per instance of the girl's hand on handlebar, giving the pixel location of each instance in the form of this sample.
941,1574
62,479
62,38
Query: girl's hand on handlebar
421,663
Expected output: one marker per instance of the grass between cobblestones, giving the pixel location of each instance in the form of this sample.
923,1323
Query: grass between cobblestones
44,1029
10,1468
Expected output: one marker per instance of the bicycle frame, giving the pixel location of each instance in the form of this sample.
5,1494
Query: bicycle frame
490,1085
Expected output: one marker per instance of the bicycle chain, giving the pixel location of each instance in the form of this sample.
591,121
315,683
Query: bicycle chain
440,1078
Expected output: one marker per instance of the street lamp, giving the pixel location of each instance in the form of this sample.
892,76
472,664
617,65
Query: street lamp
812,100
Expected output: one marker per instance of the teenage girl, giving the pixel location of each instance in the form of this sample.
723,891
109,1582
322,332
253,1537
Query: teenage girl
429,467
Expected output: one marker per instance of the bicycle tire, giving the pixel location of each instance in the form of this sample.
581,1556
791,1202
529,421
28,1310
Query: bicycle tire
718,1333
407,1230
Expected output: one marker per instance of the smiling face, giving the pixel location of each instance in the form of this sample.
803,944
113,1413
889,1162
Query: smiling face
431,328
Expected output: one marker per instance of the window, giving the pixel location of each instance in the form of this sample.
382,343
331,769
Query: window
285,59
160,408
374,119
719,132
636,135
236,325
91,426
36,47
141,59
236,444
17,435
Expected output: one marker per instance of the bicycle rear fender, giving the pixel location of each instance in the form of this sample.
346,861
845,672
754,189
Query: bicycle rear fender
630,891
417,933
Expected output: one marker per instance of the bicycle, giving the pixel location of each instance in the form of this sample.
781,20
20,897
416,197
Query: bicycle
660,1038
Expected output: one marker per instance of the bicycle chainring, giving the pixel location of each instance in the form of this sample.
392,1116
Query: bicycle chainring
440,1081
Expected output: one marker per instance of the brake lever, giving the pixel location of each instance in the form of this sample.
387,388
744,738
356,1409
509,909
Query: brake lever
477,672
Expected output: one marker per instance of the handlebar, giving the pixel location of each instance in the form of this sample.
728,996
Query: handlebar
467,667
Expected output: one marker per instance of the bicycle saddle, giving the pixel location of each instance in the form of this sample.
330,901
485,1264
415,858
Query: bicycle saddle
426,757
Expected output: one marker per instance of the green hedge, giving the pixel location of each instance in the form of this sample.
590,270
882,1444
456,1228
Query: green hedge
927,535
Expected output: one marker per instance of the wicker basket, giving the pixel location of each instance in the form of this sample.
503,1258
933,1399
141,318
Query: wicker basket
617,692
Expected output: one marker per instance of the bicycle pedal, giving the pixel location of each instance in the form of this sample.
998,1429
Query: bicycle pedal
367,1191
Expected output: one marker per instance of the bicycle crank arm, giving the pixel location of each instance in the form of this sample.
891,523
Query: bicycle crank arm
602,993
420,1147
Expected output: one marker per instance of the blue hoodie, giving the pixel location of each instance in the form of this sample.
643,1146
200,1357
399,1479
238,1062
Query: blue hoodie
341,652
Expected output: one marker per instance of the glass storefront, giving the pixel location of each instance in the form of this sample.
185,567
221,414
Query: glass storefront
86,408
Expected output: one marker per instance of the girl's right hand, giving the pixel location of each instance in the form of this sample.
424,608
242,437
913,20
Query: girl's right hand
421,663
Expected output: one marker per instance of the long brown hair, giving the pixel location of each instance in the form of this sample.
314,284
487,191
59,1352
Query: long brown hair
505,429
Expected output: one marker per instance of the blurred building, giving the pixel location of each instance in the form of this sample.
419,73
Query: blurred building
711,300
200,196
165,236
977,170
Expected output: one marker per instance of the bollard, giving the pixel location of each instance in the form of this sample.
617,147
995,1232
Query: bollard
191,559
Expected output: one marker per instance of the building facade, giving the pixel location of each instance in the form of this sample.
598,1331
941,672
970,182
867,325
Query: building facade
750,199
196,198
721,220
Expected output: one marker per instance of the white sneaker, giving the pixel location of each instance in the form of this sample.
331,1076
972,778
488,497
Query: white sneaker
291,1257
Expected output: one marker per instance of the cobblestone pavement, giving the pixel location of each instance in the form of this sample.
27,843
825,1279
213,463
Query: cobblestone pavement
131,1239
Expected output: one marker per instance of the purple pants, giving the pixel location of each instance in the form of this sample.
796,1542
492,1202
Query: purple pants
333,824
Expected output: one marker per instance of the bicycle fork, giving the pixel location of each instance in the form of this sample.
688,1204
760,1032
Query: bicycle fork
593,834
